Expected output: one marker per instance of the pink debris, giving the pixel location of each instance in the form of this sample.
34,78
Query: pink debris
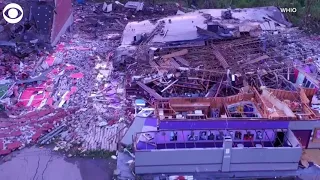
72,91
22,120
70,67
5,124
112,122
60,47
50,60
4,152
79,48
4,131
50,102
37,135
28,95
3,135
30,98
77,75
34,121
44,112
15,145
48,126
55,71
16,133
16,68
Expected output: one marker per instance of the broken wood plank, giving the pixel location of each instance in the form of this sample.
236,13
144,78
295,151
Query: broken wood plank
256,60
272,26
120,23
222,60
189,87
169,85
153,64
152,92
175,54
303,96
174,64
212,91
182,61
265,26
218,90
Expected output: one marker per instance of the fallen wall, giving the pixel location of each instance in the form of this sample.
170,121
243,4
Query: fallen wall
63,18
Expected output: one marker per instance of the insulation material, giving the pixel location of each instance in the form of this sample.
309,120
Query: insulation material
77,75
277,103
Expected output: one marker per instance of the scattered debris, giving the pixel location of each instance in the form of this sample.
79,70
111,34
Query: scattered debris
138,6
81,94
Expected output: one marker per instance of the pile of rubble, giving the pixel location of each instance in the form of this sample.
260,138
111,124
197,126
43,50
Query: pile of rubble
18,132
257,52
69,94
76,92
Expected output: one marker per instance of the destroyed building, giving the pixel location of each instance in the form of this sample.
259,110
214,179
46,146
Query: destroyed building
231,95
27,75
234,83
67,94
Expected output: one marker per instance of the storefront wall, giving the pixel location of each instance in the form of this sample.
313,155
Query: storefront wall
299,126
216,160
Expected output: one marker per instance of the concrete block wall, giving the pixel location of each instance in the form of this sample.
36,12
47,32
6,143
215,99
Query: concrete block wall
178,160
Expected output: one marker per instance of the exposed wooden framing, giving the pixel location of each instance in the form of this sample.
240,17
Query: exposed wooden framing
222,60
218,90
256,60
175,54
171,84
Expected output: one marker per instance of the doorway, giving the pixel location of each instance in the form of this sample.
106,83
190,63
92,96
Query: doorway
303,136
279,139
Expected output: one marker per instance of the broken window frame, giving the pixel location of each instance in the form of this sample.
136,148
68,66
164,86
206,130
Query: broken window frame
235,137
193,136
206,135
175,134
248,133
220,135
214,136
257,137
315,137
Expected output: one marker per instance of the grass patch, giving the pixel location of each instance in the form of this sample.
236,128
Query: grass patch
3,90
95,154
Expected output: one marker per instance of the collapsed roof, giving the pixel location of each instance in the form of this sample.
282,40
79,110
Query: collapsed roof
216,53
184,27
